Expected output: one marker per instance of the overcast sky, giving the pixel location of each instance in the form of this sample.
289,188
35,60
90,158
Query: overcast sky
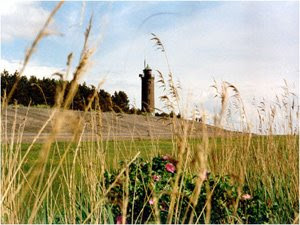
253,45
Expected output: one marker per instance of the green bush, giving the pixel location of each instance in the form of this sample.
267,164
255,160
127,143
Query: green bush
156,178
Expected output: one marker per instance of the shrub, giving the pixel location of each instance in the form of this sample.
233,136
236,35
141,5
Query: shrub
153,180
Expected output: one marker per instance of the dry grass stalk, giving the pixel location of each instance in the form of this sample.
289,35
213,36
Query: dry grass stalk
82,66
99,203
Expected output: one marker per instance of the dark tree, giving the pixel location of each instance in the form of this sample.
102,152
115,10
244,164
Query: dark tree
44,92
120,101
105,101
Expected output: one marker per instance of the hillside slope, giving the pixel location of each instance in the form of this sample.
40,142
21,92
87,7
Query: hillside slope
28,122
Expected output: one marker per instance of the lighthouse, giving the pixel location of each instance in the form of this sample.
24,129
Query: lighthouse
147,103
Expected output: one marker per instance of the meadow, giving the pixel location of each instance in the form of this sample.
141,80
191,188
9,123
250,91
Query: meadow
267,171
224,177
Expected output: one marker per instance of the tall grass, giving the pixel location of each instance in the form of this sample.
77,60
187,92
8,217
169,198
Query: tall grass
66,183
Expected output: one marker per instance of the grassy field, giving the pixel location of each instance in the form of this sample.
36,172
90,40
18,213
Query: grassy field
115,151
259,168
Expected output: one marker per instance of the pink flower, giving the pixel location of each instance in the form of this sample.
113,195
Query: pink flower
151,201
170,167
203,176
156,177
119,220
170,159
246,196
166,157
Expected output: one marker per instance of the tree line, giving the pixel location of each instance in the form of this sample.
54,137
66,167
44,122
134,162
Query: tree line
36,92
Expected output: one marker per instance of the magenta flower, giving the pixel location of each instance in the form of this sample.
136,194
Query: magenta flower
151,201
170,167
246,196
156,177
119,220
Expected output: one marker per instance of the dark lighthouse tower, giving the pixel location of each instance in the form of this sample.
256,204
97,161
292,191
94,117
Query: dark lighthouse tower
147,90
